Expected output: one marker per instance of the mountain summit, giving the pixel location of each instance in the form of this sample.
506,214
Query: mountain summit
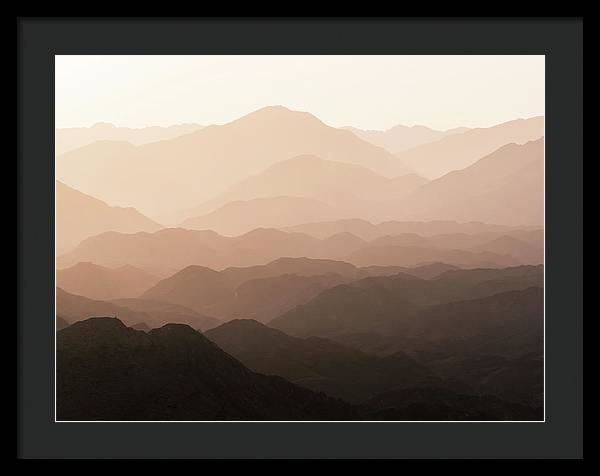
215,156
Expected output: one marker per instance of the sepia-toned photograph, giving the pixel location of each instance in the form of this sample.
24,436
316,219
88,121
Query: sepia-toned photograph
299,238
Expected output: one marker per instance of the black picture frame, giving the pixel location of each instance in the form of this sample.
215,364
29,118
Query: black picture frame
560,40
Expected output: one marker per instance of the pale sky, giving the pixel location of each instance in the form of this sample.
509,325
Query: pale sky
369,92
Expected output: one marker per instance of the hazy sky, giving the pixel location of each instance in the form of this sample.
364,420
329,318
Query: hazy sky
370,92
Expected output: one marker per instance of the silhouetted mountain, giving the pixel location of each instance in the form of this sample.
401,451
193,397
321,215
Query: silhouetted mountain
508,324
427,271
275,244
403,239
266,298
439,227
167,251
524,245
79,216
334,279
297,266
505,187
239,217
350,190
318,364
266,291
361,228
525,252
347,309
259,292
464,250
219,155
383,305
106,371
400,138
458,151
71,138
131,311
368,231
340,245
383,255
98,282
194,287
476,283
492,344
319,267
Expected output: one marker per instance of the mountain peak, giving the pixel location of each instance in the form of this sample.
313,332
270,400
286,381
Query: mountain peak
274,108
195,269
276,112
245,324
300,259
246,333
174,330
464,149
98,324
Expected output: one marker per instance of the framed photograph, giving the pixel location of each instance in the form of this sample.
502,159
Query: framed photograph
300,238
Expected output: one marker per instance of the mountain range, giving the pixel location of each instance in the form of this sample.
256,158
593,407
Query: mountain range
319,364
98,282
455,152
266,292
259,292
387,304
504,187
305,272
346,189
109,372
483,329
369,231
194,293
70,138
239,217
308,173
219,156
169,250
341,371
79,216
400,138
218,294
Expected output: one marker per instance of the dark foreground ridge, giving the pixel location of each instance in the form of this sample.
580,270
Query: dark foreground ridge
107,371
